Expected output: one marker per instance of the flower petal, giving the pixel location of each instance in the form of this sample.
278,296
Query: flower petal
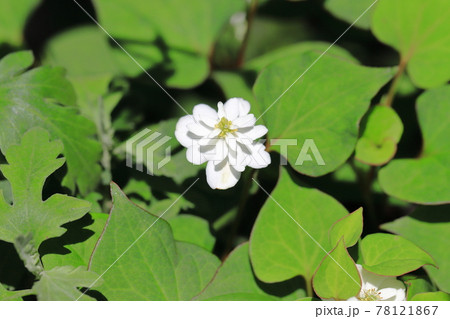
240,104
255,132
248,120
203,111
218,152
369,280
222,175
258,157
199,129
387,294
220,110
232,109
182,131
194,155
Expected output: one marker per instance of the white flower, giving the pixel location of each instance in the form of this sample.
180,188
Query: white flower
226,139
379,288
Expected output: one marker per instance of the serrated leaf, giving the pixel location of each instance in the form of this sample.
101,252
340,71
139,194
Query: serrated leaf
337,276
425,179
30,163
155,267
391,255
348,227
351,10
61,283
192,229
31,98
13,17
432,296
381,131
77,243
182,44
325,105
425,227
418,30
13,295
280,249
235,280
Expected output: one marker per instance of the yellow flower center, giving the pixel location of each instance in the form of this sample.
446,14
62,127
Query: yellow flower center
224,127
370,295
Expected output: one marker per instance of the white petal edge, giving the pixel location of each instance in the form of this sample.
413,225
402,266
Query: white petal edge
203,111
232,109
222,175
194,155
181,130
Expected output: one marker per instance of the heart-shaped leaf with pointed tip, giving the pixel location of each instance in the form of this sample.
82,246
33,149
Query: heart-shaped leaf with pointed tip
290,235
148,264
391,255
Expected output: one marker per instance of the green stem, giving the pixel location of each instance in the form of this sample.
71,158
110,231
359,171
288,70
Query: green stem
309,289
393,89
250,16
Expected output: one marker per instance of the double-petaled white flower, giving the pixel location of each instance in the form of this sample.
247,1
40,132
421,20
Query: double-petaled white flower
226,139
379,288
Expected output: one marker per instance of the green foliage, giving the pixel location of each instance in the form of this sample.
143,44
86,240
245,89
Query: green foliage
181,48
296,217
13,16
382,130
337,276
425,179
432,296
342,134
425,227
310,111
30,163
235,280
349,228
168,270
75,252
29,99
61,283
392,255
424,47
192,229
417,286
350,11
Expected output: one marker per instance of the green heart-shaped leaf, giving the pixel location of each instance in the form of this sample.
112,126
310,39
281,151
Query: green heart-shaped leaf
391,255
348,227
337,276
290,235
146,262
